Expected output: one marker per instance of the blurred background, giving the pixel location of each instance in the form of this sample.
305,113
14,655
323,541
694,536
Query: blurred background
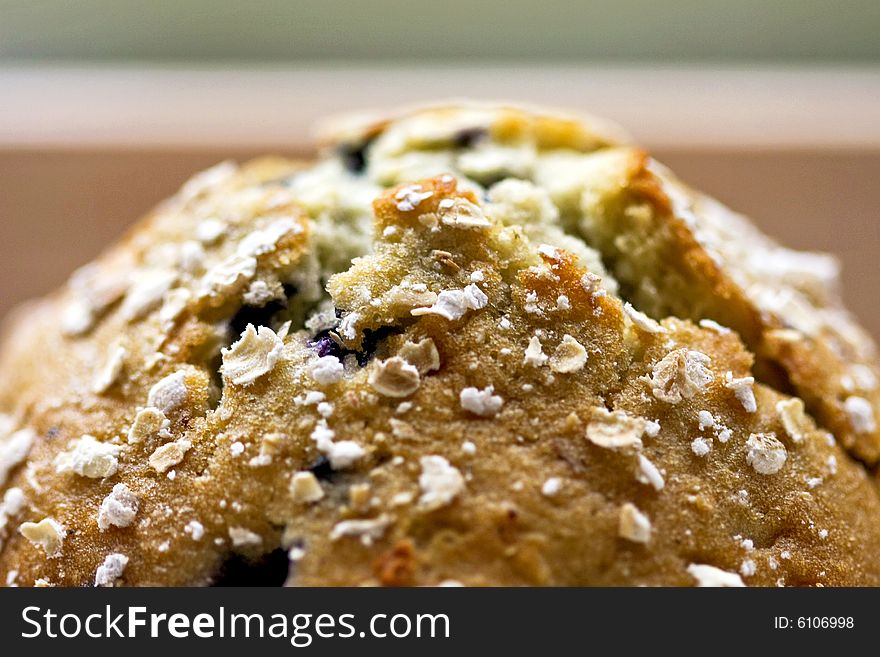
107,106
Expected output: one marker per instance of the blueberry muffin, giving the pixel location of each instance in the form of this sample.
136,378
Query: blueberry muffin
467,345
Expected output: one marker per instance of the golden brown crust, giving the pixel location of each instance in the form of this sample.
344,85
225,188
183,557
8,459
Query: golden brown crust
470,404
691,272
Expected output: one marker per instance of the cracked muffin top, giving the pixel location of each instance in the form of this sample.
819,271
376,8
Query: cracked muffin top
475,345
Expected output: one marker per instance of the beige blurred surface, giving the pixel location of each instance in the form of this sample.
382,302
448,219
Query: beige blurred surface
244,108
59,208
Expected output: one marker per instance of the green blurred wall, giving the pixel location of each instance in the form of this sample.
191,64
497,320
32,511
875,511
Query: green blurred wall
712,31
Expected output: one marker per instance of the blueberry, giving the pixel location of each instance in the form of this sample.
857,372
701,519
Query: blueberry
324,345
354,156
470,136
269,570
321,469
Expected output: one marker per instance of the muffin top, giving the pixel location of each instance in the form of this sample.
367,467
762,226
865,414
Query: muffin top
468,344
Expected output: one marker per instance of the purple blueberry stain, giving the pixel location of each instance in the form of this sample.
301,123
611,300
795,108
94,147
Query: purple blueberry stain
326,346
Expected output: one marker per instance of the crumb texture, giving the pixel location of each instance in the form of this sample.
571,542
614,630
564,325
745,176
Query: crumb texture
467,345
